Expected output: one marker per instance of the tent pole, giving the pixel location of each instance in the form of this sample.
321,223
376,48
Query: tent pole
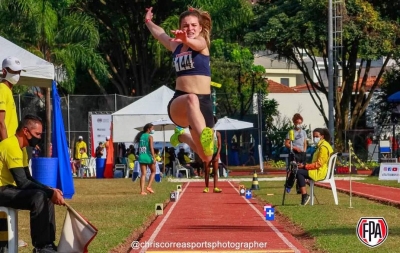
226,149
164,151
69,124
19,106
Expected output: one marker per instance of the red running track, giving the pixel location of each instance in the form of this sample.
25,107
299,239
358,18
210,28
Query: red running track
389,195
212,222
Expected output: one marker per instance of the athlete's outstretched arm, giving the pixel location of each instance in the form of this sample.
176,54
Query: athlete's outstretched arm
157,32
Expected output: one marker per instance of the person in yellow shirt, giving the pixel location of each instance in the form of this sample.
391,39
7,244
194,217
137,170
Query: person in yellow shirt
78,145
11,71
131,158
318,168
157,155
20,191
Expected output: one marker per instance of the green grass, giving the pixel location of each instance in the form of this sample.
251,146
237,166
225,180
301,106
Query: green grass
117,210
334,227
112,205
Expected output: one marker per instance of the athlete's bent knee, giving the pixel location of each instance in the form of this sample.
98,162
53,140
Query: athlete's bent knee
193,100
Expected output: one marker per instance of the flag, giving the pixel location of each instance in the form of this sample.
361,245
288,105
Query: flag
60,148
76,234
109,170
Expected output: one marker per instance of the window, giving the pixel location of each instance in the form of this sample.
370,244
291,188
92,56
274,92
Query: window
285,81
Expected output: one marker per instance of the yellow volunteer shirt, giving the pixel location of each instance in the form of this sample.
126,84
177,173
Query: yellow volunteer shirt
84,159
11,156
78,147
7,104
131,159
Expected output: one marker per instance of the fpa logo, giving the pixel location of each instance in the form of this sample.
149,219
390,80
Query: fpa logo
372,231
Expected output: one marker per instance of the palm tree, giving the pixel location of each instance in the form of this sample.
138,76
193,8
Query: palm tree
59,33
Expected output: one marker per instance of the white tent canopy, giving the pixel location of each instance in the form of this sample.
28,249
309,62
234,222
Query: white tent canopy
145,110
38,71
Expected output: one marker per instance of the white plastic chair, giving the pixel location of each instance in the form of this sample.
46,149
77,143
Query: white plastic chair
12,225
120,167
328,179
178,168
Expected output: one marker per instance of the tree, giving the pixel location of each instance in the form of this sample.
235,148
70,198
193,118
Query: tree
58,33
383,109
232,66
292,28
136,60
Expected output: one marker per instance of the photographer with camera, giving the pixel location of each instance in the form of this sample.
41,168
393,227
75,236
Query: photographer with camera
296,142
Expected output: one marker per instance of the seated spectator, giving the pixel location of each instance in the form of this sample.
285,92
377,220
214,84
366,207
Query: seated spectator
184,160
83,161
172,157
20,191
131,158
317,169
157,154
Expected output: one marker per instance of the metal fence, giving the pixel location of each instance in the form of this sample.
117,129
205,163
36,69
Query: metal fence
75,110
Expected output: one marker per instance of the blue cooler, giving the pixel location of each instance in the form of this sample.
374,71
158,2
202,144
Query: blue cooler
100,166
45,170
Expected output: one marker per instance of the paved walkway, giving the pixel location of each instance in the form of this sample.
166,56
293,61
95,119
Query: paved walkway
386,194
212,222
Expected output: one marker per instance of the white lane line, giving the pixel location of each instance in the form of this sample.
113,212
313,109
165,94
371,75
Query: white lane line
157,230
280,235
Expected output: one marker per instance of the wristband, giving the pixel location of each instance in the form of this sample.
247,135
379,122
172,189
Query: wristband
147,20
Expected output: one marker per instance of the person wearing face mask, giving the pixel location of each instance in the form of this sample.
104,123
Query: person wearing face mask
299,144
191,105
317,169
299,147
146,158
20,191
11,71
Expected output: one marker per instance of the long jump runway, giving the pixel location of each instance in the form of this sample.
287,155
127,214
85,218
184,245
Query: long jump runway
215,222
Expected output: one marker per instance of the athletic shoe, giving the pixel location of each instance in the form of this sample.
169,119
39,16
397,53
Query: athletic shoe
205,190
174,140
305,199
217,190
207,141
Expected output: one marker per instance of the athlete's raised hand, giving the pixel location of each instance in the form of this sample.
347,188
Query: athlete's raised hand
180,36
149,14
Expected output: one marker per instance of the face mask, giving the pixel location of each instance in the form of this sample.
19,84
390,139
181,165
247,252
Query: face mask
12,78
298,126
316,140
33,141
152,132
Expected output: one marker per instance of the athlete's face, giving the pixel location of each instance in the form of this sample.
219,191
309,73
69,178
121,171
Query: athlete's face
190,24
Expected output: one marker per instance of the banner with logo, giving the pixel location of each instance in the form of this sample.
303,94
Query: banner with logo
389,171
100,129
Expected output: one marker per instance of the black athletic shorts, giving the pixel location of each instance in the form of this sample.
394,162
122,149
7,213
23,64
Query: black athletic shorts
206,107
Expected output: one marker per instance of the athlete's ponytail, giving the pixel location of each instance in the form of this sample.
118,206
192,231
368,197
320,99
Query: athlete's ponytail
145,128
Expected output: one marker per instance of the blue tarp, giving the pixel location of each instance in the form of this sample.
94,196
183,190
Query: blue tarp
65,181
394,98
